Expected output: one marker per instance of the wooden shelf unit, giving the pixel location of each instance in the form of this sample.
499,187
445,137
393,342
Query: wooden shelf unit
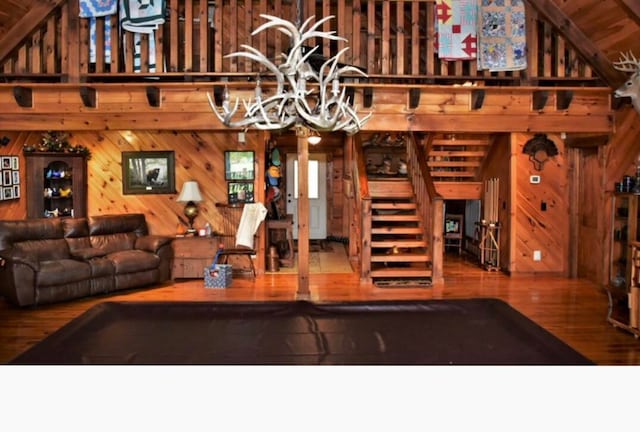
55,172
623,288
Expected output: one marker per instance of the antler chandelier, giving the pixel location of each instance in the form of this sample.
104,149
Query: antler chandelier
304,96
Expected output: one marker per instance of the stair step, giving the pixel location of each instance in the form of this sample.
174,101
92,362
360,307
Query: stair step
394,205
396,230
398,243
401,272
395,218
401,257
387,189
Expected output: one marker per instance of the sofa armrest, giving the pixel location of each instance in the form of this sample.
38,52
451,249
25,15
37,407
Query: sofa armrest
152,243
10,258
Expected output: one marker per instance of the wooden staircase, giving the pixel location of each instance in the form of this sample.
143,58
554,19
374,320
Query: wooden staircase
399,250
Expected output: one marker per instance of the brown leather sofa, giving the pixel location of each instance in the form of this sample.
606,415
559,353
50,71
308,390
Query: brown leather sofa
57,259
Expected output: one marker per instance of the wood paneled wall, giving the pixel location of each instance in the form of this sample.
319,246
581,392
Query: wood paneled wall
199,156
533,227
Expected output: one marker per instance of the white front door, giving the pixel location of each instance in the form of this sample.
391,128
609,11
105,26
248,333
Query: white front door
317,194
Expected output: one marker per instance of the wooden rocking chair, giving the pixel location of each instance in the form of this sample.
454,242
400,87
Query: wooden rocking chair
231,214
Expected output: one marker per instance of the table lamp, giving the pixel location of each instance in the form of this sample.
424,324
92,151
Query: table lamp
190,194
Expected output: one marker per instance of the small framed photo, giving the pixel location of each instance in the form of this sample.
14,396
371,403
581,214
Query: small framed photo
239,165
16,177
7,178
16,191
6,162
240,192
7,192
15,163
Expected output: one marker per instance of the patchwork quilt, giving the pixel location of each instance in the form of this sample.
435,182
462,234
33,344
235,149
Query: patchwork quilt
142,17
93,9
456,24
502,37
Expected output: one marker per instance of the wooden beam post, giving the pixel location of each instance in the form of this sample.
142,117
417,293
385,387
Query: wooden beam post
303,293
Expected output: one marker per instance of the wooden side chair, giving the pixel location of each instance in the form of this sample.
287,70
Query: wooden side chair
231,214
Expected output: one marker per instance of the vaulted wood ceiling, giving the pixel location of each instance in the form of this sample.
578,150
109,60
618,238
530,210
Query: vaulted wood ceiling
599,29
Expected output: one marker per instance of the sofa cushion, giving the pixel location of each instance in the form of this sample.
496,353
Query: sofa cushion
43,250
76,232
110,243
62,271
129,261
15,231
88,253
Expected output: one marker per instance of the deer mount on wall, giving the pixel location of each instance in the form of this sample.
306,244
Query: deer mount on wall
631,88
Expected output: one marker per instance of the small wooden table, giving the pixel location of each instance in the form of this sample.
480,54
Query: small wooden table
285,224
191,255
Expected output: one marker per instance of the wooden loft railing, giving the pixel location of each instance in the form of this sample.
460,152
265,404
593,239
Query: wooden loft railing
392,40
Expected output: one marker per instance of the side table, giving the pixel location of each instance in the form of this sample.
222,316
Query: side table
285,224
191,255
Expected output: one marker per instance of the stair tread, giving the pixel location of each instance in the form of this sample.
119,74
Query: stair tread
395,217
398,243
394,205
401,257
402,272
396,230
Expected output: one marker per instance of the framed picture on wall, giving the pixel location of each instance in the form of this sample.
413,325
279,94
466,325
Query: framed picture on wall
7,178
240,192
239,165
148,172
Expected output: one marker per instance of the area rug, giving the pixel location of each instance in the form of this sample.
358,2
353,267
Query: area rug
431,332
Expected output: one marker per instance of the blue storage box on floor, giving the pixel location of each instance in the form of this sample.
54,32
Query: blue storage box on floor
218,276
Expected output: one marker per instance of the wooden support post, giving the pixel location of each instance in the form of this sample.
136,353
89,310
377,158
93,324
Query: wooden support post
303,292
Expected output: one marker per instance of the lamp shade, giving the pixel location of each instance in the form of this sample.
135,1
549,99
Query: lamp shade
190,192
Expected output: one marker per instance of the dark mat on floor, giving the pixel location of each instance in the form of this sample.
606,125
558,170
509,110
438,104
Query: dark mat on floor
432,332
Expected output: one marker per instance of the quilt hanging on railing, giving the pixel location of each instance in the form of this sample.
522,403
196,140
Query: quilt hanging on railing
93,9
142,17
456,26
502,39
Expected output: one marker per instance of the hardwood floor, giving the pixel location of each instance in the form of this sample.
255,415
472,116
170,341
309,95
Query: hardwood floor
572,309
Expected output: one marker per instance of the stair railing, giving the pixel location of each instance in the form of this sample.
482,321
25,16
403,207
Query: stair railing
430,204
361,235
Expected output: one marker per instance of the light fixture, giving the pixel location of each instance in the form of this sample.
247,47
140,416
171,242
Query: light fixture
314,138
190,194
303,96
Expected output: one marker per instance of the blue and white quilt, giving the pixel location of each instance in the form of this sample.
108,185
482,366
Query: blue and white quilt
93,9
502,39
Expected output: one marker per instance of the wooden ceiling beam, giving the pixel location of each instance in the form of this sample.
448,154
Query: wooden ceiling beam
587,49
32,19
585,141
632,8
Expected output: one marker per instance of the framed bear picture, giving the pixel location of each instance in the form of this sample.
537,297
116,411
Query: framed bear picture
148,172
